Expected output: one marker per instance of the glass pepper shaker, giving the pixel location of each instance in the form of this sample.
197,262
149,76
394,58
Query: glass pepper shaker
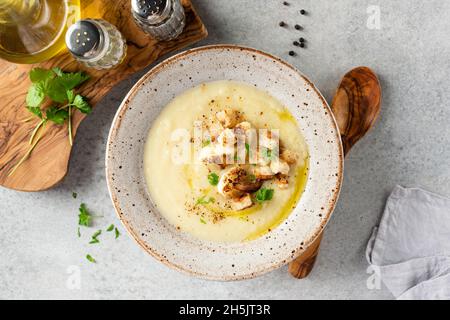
96,43
162,19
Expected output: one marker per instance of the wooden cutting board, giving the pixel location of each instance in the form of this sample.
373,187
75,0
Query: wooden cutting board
48,162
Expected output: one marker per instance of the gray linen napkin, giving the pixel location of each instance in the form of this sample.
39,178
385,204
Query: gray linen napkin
411,246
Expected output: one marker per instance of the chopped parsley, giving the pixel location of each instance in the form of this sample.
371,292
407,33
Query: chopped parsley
264,194
95,237
213,179
206,143
205,200
116,231
267,153
90,258
110,228
85,217
74,195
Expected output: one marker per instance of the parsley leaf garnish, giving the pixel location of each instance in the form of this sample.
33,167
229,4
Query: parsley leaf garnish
85,217
95,237
264,194
116,231
90,258
213,179
206,143
204,200
110,228
56,115
81,104
35,95
57,86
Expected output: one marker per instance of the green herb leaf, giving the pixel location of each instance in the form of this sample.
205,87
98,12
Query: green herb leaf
206,143
202,221
58,71
85,217
56,91
74,195
110,228
40,75
204,200
94,237
116,231
90,258
56,115
70,80
267,153
213,179
36,111
70,96
264,194
35,95
81,104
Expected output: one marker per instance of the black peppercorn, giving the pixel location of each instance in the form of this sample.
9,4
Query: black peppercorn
302,11
302,39
282,24
291,53
298,27
302,44
296,43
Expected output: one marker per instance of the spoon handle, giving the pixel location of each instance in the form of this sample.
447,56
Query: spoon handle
356,106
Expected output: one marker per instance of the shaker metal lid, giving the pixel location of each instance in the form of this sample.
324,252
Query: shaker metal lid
151,11
84,39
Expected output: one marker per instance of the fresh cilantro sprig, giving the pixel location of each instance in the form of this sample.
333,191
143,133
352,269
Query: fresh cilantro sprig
52,98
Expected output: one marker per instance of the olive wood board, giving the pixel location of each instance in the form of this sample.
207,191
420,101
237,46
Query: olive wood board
48,163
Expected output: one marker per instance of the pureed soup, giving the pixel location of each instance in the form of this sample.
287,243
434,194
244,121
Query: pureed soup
225,162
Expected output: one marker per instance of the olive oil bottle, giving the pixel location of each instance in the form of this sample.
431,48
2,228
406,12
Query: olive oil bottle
33,30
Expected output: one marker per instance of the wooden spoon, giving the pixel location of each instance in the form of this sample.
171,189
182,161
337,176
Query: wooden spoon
356,107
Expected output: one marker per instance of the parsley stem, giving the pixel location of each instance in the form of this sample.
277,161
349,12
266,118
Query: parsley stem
28,119
39,136
33,134
70,125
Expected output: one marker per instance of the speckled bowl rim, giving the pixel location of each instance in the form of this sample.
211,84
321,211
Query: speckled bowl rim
116,125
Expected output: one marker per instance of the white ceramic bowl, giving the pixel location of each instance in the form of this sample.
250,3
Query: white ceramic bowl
127,186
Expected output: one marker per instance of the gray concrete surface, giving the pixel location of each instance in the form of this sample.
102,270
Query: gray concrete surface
40,250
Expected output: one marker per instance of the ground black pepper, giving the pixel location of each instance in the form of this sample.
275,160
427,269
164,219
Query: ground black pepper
302,11
286,3
302,44
292,53
282,24
298,27
301,39
296,43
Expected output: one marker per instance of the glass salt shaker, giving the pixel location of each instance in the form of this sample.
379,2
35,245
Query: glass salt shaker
162,19
96,43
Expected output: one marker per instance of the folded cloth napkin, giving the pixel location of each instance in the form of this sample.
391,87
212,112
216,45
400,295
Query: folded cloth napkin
411,246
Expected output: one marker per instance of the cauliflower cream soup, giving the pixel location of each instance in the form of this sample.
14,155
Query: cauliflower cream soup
225,162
